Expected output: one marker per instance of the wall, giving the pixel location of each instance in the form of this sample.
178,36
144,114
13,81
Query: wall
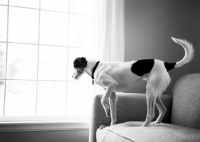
149,27
189,28
46,136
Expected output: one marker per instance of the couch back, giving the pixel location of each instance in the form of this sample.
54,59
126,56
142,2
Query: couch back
186,101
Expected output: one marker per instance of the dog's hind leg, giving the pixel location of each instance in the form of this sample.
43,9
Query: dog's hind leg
151,98
162,110
113,108
163,82
156,84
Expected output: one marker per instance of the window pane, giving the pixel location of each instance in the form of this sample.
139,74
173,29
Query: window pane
20,98
2,85
54,28
2,60
81,31
23,25
79,96
4,2
3,23
81,6
51,98
52,63
25,3
56,5
73,54
22,61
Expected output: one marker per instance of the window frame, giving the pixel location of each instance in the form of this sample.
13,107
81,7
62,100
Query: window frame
37,126
26,121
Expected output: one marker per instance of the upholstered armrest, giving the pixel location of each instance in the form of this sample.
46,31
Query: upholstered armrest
130,107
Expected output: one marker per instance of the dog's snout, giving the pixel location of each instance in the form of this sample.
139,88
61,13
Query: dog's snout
74,76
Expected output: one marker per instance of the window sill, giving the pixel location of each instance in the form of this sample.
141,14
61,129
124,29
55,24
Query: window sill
27,126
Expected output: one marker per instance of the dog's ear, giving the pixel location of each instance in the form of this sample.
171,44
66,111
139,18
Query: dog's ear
80,62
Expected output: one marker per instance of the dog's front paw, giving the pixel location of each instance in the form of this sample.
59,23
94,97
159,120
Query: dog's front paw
102,127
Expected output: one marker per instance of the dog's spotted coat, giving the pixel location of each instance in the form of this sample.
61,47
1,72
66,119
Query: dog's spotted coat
120,77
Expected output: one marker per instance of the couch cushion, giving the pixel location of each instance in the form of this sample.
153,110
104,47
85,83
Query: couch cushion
132,132
186,101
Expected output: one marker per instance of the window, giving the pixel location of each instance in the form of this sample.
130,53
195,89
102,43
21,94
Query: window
39,40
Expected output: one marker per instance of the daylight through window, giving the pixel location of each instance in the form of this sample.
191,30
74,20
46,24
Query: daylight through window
39,39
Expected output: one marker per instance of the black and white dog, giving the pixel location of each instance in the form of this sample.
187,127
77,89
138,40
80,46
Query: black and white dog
121,76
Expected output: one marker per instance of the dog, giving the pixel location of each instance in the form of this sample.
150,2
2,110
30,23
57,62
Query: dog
121,76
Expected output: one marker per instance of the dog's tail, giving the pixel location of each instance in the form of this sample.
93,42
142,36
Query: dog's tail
189,52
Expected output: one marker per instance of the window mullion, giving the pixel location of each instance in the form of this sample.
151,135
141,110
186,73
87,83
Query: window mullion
36,106
67,60
4,105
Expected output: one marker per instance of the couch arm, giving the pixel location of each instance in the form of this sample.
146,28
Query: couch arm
130,107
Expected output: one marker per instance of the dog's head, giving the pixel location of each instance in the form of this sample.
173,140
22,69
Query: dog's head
79,64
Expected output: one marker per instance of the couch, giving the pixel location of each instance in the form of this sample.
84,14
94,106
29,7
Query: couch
180,124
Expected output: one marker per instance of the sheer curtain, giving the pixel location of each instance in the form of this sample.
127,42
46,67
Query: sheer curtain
109,30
